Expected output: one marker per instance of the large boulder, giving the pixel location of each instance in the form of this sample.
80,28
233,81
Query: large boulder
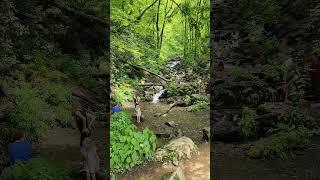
177,149
148,95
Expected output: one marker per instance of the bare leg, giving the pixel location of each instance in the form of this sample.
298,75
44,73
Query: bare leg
93,176
138,119
88,175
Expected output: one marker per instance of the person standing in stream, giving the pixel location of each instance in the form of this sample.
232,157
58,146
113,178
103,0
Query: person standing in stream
136,99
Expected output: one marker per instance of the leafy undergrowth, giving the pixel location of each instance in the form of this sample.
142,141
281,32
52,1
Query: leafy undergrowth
279,145
122,94
198,106
37,168
294,130
247,122
129,147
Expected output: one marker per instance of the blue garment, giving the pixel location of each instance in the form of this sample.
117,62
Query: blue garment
19,150
116,109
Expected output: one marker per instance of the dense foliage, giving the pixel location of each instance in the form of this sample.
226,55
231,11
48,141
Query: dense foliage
149,33
247,122
49,50
280,145
129,147
46,54
293,130
37,168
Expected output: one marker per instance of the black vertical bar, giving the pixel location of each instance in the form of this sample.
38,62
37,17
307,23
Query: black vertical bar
212,21
107,135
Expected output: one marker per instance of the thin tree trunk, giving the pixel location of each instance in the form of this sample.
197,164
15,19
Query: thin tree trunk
163,25
157,24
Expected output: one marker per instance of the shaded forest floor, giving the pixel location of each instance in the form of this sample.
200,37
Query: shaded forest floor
230,162
62,145
191,124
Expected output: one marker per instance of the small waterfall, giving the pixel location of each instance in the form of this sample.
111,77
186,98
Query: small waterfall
272,94
155,98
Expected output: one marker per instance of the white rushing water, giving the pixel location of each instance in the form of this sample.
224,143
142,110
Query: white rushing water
155,98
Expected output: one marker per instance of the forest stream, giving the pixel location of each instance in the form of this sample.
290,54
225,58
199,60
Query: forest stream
191,124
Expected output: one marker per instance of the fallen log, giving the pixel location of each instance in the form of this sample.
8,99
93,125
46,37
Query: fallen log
151,84
146,70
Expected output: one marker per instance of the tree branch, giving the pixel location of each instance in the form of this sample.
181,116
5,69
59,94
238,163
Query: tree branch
139,17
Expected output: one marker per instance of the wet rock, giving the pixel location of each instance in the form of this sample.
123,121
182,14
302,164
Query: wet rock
225,129
170,100
176,149
165,132
148,95
169,131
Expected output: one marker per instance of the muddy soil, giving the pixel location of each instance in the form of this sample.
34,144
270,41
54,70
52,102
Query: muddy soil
196,168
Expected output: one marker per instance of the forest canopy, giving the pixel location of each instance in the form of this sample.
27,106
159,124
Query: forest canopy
150,33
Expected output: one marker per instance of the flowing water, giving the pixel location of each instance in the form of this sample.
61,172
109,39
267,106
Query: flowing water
155,98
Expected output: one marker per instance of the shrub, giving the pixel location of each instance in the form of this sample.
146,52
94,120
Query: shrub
45,83
63,114
271,72
76,69
129,147
187,100
295,96
241,74
247,122
297,117
171,89
36,169
198,106
122,94
29,112
253,99
279,145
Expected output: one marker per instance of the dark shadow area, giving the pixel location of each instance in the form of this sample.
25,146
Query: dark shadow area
54,62
265,89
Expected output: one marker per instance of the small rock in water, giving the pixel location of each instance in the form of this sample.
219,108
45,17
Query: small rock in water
171,124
